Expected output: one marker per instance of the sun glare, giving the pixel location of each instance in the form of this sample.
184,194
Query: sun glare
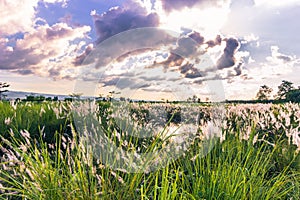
208,22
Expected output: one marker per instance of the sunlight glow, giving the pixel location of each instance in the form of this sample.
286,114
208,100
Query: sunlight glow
208,22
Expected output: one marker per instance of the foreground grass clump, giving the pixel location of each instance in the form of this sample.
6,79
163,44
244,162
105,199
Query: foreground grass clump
234,169
33,167
34,118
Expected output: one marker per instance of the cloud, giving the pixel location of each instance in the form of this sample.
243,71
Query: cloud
16,16
124,82
80,58
64,3
133,53
20,16
274,65
24,71
157,89
42,49
216,41
227,59
128,43
172,60
120,19
238,69
170,5
279,57
114,47
152,78
273,24
186,47
189,71
196,37
192,61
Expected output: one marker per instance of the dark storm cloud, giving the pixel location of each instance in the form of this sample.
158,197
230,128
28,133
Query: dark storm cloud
227,59
212,43
79,59
189,71
186,47
121,19
238,69
196,37
172,61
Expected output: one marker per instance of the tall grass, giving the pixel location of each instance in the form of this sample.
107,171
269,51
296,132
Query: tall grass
63,168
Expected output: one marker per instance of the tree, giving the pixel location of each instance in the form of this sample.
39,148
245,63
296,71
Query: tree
264,92
194,98
75,95
122,99
2,89
293,95
284,88
111,94
35,98
30,98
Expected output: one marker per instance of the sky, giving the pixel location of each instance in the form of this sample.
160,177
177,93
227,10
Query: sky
150,49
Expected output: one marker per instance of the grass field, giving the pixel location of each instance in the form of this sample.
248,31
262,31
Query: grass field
253,153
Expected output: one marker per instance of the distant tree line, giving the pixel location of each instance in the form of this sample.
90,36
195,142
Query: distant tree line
286,93
39,98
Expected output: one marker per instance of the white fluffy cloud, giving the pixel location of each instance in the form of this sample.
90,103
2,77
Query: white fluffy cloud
208,20
47,49
16,16
64,2
19,15
40,49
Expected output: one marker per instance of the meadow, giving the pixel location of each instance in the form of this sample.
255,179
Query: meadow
228,151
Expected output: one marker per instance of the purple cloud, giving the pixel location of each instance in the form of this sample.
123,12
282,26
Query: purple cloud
197,37
212,43
227,59
79,59
120,19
